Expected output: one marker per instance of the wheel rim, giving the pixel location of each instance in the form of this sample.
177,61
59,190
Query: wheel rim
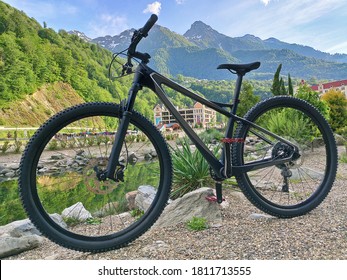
295,183
65,180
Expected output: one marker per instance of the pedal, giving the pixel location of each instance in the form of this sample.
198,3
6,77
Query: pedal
218,197
213,198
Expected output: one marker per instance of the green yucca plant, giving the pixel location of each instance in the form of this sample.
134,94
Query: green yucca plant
190,170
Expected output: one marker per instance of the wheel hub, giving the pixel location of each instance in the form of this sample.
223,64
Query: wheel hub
95,178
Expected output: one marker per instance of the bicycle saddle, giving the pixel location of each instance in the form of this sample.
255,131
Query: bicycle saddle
240,68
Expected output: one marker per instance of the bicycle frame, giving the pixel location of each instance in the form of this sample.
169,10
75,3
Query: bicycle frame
222,168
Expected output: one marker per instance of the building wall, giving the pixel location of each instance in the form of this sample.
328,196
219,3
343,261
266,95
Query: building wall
199,114
337,85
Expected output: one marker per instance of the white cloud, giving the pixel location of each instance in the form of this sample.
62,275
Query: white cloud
180,2
108,24
265,2
338,48
153,8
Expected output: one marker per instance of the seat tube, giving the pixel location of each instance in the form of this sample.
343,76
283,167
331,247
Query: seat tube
226,154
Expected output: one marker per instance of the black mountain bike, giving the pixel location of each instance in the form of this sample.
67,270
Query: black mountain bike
107,169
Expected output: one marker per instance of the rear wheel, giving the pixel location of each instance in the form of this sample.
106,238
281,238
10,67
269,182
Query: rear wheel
59,174
296,187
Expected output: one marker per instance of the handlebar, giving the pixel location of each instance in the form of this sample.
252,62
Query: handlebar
148,25
138,35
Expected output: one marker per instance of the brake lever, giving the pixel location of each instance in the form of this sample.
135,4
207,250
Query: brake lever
135,35
127,69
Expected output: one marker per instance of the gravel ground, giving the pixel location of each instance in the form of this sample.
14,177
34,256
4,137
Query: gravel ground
321,234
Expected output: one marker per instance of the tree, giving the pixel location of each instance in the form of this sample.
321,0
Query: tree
282,90
337,103
247,99
306,93
276,84
290,86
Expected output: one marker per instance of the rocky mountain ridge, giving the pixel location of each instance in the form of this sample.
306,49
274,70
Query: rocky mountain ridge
191,54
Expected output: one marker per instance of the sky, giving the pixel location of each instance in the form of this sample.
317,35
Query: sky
320,24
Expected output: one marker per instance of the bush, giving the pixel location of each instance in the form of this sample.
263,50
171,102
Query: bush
337,102
190,169
211,135
5,147
53,145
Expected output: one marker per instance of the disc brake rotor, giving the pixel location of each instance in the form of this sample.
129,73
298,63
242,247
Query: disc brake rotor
91,180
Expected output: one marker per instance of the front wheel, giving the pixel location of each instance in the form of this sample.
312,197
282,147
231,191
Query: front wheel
295,187
65,197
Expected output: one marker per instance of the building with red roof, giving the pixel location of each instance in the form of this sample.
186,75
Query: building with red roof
337,85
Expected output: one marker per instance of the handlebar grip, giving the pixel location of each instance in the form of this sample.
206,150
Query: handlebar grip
149,24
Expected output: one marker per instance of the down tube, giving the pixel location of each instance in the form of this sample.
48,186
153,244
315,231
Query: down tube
207,154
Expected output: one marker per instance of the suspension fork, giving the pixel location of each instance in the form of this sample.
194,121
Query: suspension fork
126,113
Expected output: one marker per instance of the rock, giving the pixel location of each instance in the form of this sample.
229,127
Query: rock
148,156
14,245
12,166
144,197
26,227
58,219
130,197
80,152
19,228
6,170
132,158
193,204
57,156
257,216
153,153
76,211
11,174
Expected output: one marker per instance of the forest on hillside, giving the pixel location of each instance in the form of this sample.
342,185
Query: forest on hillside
32,55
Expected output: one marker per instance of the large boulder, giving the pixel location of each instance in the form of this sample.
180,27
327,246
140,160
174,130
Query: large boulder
19,229
193,204
17,237
14,245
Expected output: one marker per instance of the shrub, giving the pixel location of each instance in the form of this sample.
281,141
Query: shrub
5,147
190,169
53,145
337,102
197,224
211,135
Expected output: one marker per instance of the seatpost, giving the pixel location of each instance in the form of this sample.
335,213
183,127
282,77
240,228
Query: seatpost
237,93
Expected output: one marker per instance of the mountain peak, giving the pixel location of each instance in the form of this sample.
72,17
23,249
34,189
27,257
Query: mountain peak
80,35
200,24
199,29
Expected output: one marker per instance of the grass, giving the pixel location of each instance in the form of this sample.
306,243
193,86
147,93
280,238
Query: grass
343,158
197,224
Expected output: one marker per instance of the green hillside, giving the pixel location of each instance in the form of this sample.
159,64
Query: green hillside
32,56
